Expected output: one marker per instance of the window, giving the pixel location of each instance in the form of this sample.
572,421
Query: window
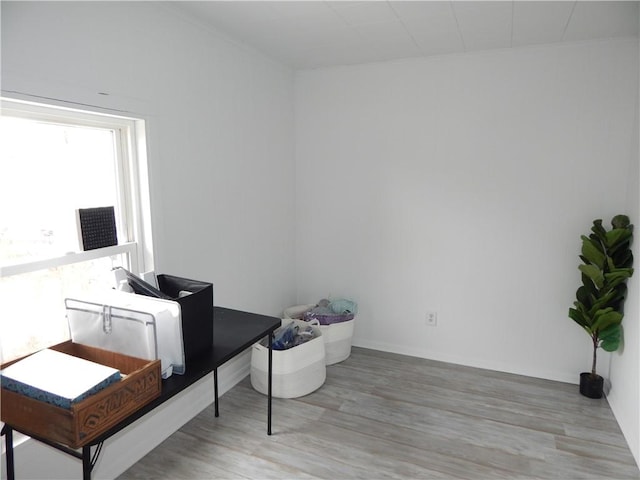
54,161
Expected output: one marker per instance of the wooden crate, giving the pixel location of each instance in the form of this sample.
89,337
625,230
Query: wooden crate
91,417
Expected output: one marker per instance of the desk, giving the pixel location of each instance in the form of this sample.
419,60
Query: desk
234,332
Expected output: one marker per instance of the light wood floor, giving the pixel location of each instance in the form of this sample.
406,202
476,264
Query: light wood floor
381,415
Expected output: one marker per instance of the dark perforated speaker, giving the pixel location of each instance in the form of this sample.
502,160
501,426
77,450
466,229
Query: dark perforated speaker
97,227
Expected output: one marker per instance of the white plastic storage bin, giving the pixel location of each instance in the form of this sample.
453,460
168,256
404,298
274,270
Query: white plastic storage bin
337,336
296,372
135,325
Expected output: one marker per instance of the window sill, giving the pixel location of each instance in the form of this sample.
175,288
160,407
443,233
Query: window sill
68,259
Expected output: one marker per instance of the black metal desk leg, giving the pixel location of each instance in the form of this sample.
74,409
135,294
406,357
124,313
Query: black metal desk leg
8,438
215,389
269,381
86,463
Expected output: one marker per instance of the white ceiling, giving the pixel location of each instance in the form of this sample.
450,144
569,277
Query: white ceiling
312,34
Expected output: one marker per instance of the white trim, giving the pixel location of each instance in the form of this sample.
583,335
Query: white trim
76,257
557,376
54,113
134,202
142,210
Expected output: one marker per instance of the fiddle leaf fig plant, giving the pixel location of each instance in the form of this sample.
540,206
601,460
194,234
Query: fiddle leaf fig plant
606,266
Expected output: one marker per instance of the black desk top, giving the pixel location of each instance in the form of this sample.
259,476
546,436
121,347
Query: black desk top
233,332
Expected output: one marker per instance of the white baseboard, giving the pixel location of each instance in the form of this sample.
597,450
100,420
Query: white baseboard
131,444
440,357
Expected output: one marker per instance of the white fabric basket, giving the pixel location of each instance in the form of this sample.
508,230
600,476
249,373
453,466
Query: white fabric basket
296,372
297,311
337,336
337,341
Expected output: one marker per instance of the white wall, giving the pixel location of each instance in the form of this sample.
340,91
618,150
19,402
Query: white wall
458,183
221,153
220,132
624,396
462,184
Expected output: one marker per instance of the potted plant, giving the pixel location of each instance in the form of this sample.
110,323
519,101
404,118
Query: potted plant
598,309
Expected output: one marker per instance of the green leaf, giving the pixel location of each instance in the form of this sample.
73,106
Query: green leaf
594,274
584,297
621,221
598,229
614,330
580,319
605,318
588,285
620,275
603,302
610,338
623,258
610,344
617,303
618,248
616,236
621,294
593,252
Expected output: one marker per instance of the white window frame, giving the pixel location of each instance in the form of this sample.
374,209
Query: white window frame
133,186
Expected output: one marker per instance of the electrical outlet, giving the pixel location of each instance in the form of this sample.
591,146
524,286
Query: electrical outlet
431,318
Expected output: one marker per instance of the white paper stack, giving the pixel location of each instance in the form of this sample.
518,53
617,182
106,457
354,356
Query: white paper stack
57,378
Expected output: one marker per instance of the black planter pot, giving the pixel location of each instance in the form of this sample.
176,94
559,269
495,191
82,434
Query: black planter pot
591,386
